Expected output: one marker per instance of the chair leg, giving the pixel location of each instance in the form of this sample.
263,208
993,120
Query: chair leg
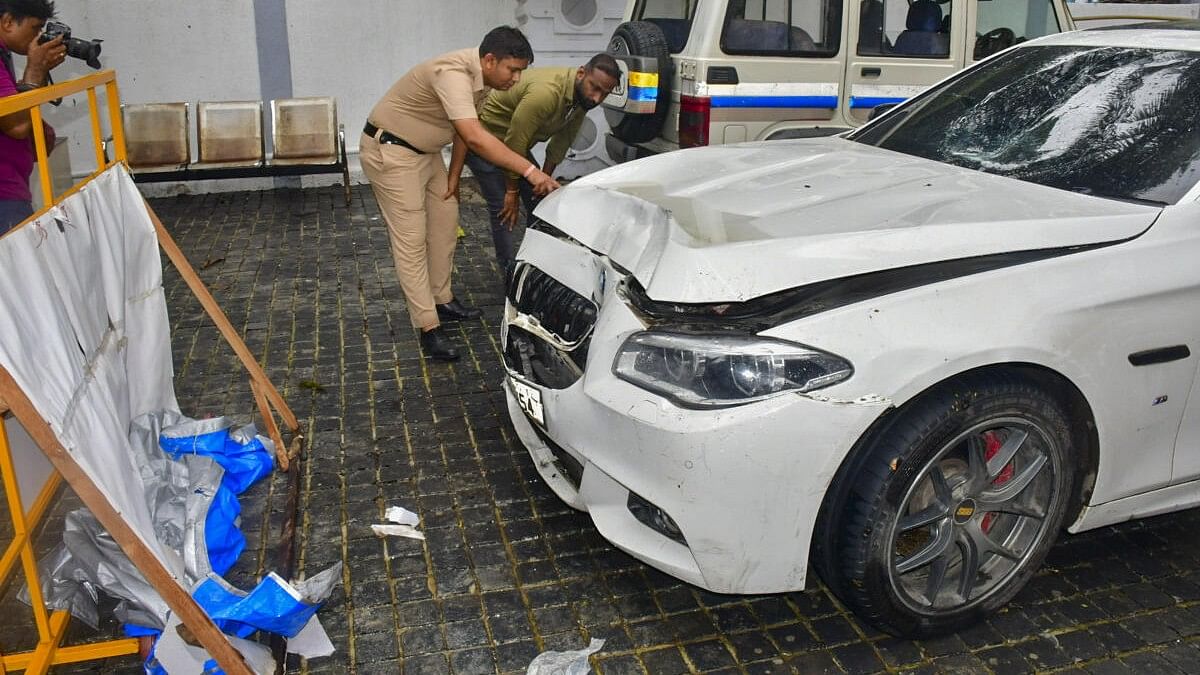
345,163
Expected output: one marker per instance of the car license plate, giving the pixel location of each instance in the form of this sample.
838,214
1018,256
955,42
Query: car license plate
530,400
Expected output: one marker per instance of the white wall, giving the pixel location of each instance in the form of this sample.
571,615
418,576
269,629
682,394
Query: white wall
175,50
353,50
162,51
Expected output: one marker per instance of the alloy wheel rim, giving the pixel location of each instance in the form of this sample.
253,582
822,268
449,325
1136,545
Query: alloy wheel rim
974,516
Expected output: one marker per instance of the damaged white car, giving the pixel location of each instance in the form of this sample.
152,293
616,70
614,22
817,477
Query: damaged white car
911,355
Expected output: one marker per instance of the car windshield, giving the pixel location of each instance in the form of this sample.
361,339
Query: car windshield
1113,122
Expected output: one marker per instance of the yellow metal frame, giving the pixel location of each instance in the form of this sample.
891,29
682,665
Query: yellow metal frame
51,626
90,83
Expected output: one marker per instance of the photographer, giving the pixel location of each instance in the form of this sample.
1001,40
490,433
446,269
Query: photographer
21,22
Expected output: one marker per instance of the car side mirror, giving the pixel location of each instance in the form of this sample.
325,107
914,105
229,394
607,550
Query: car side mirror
880,109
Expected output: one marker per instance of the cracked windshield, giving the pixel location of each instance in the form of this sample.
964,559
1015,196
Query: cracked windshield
1111,122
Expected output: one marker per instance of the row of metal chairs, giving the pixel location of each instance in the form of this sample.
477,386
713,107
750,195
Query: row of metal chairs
305,134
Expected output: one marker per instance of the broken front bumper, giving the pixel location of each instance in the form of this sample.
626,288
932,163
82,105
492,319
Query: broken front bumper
723,498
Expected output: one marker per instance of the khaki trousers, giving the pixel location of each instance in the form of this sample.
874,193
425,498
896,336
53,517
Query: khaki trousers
422,226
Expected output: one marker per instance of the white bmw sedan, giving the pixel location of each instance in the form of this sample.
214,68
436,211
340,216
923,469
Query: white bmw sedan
905,358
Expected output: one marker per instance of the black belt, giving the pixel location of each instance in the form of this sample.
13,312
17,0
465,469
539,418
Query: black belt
389,138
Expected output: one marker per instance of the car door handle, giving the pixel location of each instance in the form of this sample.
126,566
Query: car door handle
1160,355
871,72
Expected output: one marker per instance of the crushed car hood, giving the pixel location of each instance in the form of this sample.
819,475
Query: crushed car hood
731,223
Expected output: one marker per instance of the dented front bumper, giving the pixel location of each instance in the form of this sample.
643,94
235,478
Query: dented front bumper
742,485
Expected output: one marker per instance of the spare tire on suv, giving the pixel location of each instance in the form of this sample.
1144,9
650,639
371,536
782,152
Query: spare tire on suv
645,39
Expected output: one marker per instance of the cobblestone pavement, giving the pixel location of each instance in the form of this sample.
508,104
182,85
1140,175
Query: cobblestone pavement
507,570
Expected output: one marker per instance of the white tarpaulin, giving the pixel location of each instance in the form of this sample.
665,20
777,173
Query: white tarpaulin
86,335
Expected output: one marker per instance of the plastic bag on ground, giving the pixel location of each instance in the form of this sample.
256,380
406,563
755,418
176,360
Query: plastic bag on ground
565,663
402,516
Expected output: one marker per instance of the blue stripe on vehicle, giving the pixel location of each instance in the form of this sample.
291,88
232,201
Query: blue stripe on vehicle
775,102
643,93
872,101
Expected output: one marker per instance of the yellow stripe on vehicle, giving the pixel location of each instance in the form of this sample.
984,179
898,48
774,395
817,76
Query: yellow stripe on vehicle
637,79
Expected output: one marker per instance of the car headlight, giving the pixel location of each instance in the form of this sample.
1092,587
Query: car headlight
724,370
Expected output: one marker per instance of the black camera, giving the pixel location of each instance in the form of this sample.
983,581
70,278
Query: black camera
87,51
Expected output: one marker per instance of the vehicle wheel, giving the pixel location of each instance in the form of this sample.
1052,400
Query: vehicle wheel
642,38
950,507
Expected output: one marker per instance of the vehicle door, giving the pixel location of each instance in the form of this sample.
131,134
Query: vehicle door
994,25
774,65
1186,464
898,48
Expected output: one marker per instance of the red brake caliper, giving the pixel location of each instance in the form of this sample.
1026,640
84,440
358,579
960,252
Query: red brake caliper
991,447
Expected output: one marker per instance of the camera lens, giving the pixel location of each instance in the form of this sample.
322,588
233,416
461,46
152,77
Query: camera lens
85,50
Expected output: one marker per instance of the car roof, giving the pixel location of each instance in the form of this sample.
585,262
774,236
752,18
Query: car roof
1173,35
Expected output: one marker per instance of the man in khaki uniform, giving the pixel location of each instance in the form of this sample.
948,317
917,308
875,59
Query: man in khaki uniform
548,105
401,156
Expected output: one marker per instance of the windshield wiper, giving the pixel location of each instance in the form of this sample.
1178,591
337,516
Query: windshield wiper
1121,198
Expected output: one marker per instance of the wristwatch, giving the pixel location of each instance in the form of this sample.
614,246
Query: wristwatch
23,86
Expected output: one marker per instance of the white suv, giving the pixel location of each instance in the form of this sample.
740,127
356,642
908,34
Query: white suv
724,71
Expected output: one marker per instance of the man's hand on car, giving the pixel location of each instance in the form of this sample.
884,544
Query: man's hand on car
542,183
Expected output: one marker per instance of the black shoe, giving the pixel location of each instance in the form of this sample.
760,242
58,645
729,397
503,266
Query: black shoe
437,345
455,310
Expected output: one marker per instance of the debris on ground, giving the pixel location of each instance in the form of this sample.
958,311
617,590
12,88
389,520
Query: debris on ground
565,663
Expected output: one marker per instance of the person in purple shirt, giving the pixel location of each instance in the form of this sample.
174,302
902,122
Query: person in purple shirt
21,23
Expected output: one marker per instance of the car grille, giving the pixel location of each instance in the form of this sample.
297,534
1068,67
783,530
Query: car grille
557,308
560,311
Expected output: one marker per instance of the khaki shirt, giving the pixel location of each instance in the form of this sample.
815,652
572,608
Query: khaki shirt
540,107
420,106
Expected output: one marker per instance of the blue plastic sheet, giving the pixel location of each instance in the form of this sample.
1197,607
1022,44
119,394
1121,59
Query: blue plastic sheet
135,631
272,606
222,536
244,463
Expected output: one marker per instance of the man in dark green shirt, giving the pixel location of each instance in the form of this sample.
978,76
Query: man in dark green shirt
547,105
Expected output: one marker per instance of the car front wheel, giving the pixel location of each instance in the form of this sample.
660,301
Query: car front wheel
950,507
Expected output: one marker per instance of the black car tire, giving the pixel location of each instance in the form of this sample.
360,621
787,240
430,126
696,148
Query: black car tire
927,484
642,38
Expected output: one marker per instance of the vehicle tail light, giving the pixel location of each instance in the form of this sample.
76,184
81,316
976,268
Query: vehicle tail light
694,116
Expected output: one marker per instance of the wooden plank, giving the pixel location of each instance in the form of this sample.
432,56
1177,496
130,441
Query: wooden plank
182,604
264,409
218,316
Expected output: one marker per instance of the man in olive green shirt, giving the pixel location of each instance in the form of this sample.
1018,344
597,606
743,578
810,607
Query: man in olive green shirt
549,105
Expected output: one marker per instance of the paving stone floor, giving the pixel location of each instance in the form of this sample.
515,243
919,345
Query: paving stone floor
507,570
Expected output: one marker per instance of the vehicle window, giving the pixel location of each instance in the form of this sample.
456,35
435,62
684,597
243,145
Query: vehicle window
1003,23
783,27
1105,121
901,28
674,17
